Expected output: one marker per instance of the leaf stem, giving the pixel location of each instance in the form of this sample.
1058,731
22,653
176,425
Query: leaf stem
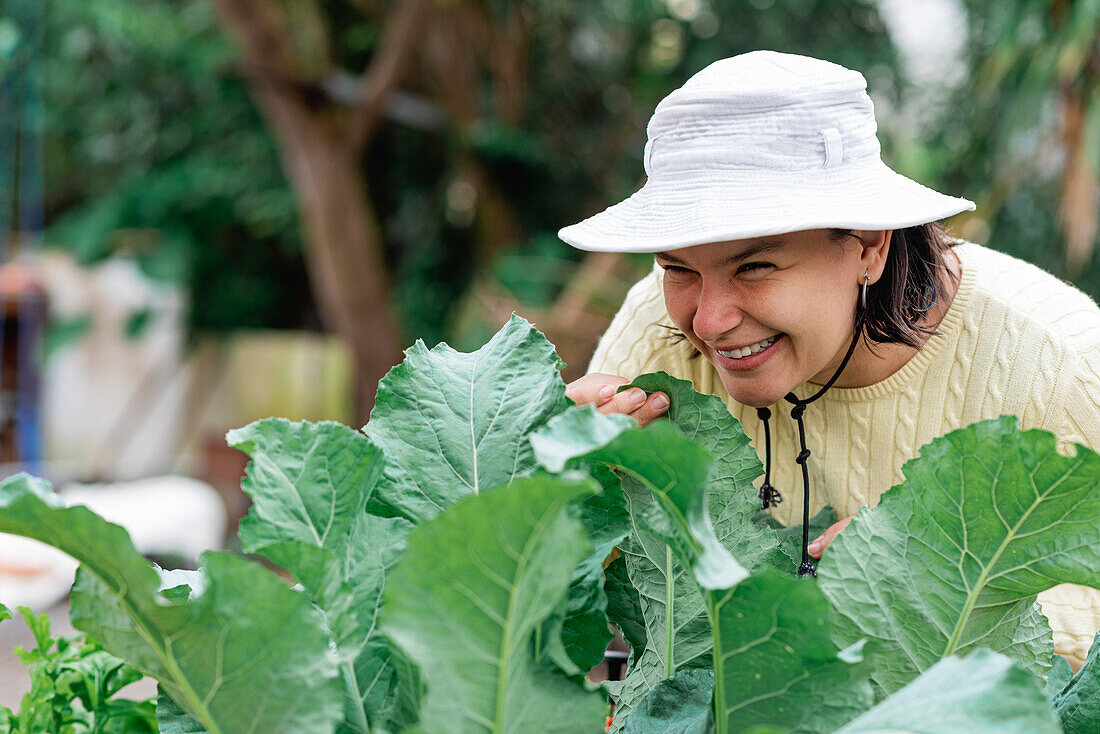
351,680
670,600
721,725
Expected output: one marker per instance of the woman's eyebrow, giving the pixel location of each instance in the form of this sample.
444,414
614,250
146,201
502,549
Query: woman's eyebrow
766,247
754,250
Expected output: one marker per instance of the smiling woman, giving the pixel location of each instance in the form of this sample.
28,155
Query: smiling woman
793,267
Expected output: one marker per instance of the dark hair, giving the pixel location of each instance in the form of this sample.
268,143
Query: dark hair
911,285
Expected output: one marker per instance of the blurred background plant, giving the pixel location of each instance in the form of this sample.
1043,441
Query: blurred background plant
153,148
1018,129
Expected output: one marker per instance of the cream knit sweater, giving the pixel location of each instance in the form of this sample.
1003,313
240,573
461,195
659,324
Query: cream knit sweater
1015,340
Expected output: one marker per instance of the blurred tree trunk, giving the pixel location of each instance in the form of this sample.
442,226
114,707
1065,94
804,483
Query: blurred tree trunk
344,256
287,64
1077,209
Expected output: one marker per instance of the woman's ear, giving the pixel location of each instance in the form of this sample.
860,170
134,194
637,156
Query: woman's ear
876,248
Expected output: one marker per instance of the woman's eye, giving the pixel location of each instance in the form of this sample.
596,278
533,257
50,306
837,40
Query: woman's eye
754,267
675,269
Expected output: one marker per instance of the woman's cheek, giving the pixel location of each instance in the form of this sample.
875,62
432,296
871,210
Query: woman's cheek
680,306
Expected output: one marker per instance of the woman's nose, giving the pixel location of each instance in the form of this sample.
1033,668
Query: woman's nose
716,313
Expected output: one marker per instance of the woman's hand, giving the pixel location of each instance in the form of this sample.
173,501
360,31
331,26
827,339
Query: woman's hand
602,389
818,546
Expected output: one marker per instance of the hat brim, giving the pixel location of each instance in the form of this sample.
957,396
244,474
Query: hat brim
670,213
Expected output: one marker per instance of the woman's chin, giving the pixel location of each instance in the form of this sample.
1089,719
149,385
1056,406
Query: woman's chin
759,402
756,397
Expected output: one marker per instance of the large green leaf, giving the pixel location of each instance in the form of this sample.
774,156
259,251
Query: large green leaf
577,637
308,481
171,719
734,503
665,482
1058,676
778,664
662,469
676,705
790,536
678,633
1078,702
232,644
672,469
310,485
680,638
348,588
984,693
624,605
473,586
5,613
777,661
988,517
455,424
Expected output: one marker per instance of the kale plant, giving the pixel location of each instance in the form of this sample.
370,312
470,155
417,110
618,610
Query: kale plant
449,574
73,687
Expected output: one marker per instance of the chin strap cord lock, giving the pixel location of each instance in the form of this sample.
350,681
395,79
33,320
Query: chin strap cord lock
769,495
806,568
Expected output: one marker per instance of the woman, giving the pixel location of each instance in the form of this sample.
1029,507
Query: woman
793,268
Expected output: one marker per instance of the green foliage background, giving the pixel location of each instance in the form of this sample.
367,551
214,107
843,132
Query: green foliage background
154,147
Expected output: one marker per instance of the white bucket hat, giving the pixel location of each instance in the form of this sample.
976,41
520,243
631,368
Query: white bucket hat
758,144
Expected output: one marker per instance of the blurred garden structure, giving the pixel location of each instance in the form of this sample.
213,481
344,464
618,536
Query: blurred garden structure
214,210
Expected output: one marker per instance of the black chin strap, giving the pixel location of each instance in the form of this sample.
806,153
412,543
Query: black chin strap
769,495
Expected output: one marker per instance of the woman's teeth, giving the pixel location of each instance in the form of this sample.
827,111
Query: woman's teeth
750,349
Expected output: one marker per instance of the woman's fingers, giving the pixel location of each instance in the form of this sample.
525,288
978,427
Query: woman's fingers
822,542
625,402
639,406
605,394
603,391
594,388
655,406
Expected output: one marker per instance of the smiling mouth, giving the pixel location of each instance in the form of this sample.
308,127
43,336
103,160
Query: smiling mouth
750,349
